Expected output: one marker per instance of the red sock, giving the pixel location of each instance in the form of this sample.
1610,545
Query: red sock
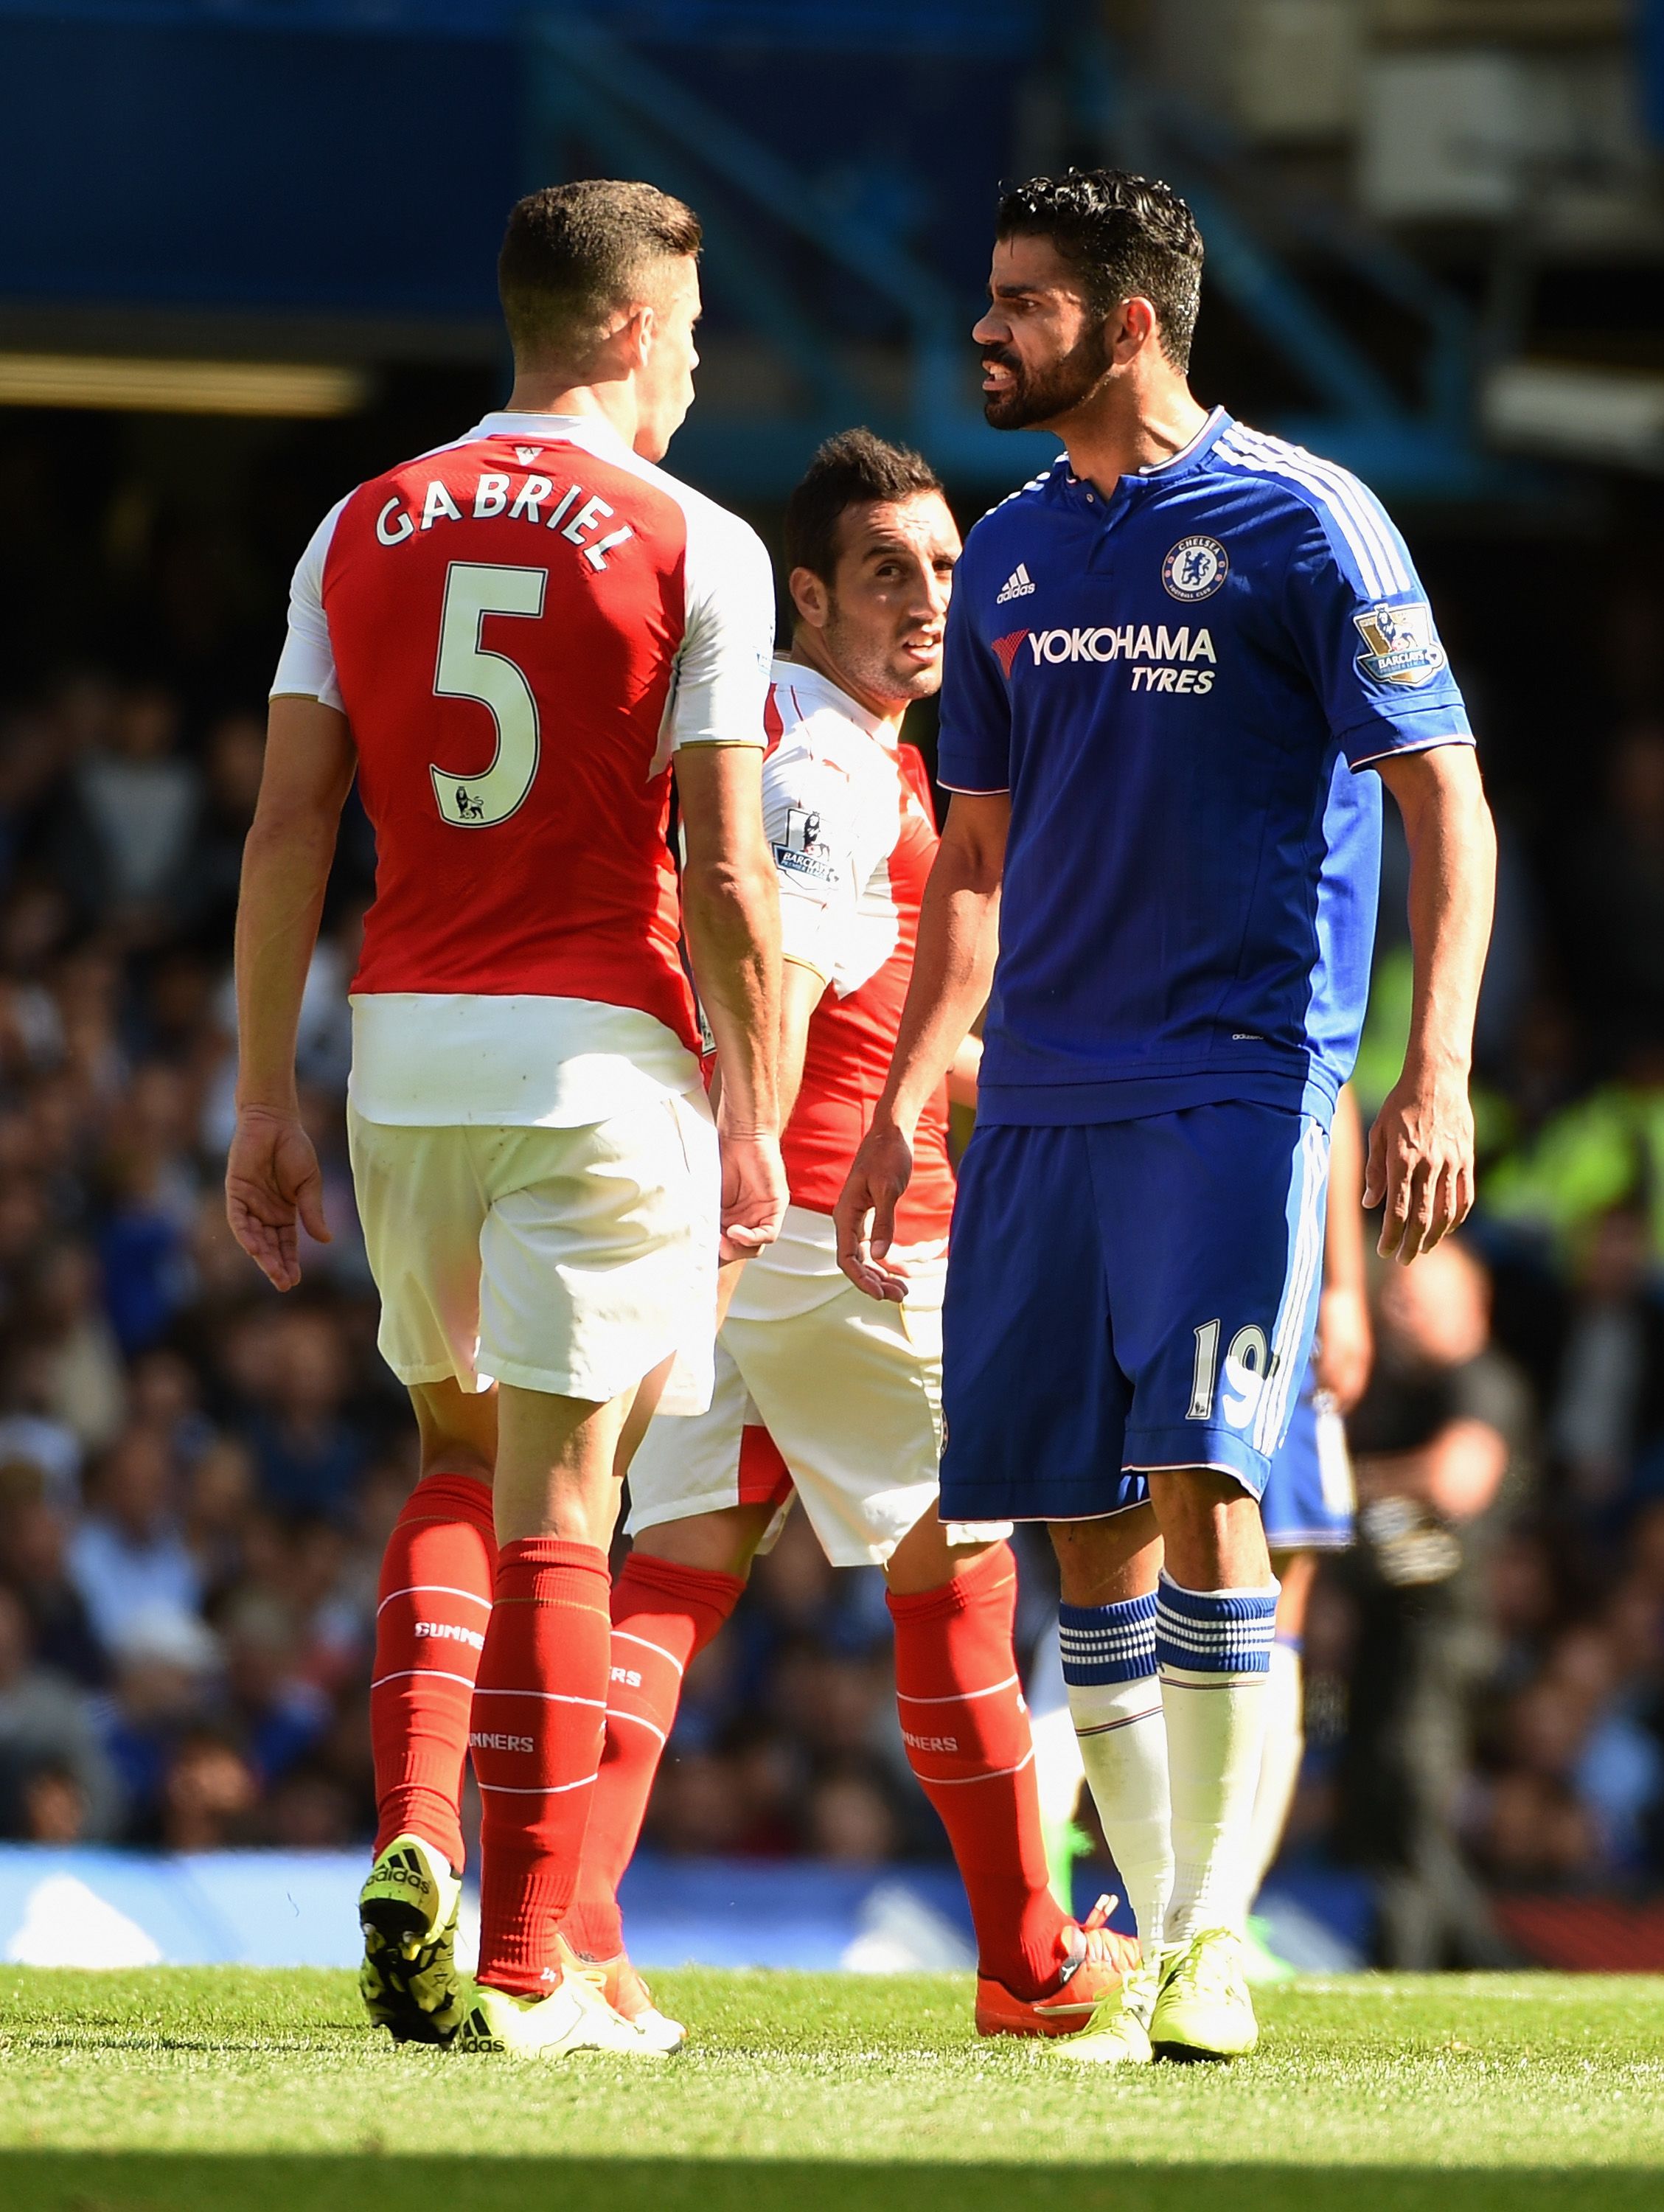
662,1616
966,1730
539,1712
435,1601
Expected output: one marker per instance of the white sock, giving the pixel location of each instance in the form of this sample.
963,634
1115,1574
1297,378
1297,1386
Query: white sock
1214,1651
1279,1761
1116,1699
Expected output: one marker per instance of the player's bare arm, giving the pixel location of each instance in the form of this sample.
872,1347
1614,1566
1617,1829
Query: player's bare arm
963,1074
731,916
1344,1345
1421,1149
958,933
272,1179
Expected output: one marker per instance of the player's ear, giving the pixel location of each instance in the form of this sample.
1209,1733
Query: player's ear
1132,327
635,336
811,597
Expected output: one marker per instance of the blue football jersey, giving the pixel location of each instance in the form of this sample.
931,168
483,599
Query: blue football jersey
1178,684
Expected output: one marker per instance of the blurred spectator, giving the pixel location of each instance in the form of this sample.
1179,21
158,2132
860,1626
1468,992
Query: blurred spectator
34,1563
208,1793
83,1384
44,1725
307,1456
131,816
1617,872
1608,1402
1444,1426
167,1662
128,1559
850,1818
54,1805
233,759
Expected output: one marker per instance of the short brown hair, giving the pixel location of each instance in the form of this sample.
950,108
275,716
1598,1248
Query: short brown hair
1125,235
571,253
857,468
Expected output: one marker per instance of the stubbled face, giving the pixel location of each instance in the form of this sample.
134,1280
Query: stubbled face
663,383
1044,353
882,623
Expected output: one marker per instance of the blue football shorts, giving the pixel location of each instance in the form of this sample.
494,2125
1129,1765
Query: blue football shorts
1124,1296
1308,1504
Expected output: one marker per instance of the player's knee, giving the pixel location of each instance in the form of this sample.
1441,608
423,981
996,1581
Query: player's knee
1104,1562
925,1558
721,1543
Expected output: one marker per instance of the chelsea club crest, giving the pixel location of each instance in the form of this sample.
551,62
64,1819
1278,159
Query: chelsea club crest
1401,646
1195,569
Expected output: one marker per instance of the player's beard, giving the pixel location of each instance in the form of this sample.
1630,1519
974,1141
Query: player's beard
876,667
1046,396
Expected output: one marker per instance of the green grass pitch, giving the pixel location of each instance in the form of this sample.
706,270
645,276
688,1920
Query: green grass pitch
179,2088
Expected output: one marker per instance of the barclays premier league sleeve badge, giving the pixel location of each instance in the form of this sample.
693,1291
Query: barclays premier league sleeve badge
1399,646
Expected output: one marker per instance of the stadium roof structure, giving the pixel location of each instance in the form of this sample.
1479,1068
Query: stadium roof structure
327,180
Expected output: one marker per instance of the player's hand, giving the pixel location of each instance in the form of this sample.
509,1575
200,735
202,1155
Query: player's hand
272,1182
754,1194
1421,1164
1344,1350
865,1212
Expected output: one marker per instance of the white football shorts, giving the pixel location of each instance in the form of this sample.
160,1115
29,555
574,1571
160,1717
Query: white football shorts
820,1392
567,1260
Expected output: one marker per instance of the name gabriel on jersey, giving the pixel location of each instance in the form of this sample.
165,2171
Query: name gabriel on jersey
577,514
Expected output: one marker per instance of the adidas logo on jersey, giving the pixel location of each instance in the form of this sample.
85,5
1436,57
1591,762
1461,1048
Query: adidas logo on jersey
1016,586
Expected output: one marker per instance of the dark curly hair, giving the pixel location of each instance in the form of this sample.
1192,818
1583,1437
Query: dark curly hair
1125,236
856,468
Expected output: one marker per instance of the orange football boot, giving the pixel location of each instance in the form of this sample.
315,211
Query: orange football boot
626,1992
1095,1958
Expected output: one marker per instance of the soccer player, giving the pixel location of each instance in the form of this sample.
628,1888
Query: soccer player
1309,1504
515,643
1308,1508
819,1394
1180,664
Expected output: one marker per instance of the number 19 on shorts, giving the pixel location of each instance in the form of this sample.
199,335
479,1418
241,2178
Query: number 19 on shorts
1247,1367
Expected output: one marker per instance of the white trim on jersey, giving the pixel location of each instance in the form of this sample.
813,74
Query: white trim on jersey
1216,415
1351,505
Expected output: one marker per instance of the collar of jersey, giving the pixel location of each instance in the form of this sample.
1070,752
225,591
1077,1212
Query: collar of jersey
796,676
592,432
1187,459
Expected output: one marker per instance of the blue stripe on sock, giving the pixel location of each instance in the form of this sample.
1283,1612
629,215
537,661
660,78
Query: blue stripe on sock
1101,1643
1204,1633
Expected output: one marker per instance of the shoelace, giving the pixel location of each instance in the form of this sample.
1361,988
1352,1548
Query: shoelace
1100,1944
1206,1971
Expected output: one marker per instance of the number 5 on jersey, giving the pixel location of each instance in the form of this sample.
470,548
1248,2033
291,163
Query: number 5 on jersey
466,670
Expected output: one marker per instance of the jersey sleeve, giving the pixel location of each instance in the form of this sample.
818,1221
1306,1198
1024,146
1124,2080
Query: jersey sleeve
974,745
306,665
811,817
728,643
1364,630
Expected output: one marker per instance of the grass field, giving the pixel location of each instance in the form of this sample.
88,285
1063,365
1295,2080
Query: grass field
177,2089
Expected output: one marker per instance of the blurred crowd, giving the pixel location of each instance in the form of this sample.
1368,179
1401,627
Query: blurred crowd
196,1475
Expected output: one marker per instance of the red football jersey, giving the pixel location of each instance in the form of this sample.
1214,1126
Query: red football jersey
852,823
521,629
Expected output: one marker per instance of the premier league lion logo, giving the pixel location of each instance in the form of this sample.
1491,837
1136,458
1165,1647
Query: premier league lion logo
1400,645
